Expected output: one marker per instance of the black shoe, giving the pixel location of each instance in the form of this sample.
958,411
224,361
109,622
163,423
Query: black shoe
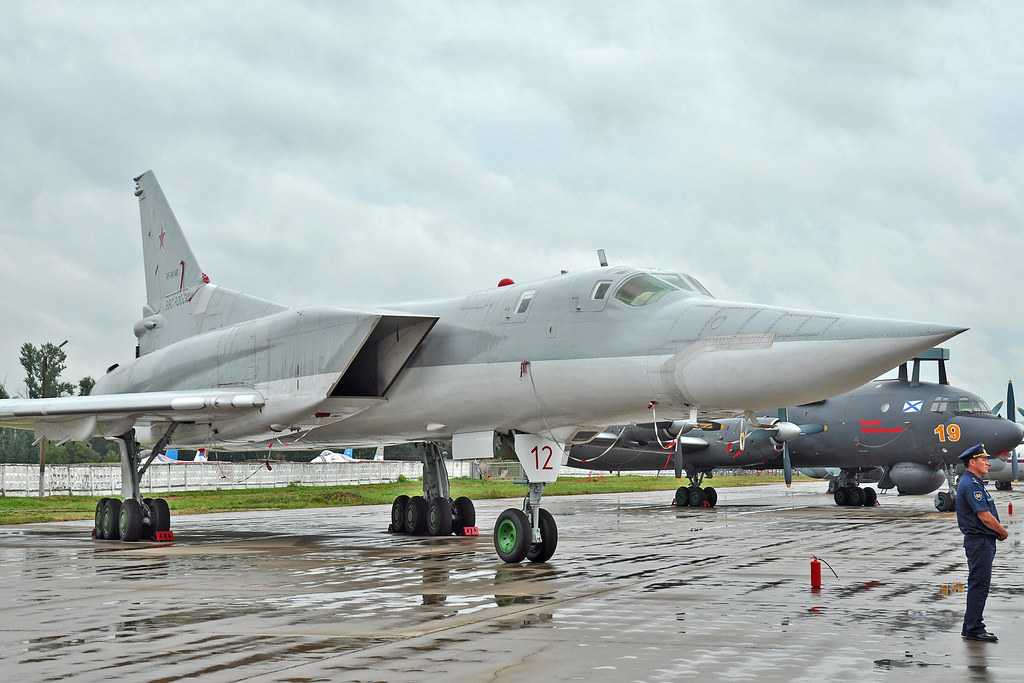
984,637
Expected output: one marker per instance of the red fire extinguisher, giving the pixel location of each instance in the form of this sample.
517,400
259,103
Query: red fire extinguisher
815,572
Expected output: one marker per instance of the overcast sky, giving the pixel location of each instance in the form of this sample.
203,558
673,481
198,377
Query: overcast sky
853,157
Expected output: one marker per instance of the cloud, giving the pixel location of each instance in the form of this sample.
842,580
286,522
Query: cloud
863,159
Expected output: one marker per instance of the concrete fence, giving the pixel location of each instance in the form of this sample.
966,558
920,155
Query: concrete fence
105,480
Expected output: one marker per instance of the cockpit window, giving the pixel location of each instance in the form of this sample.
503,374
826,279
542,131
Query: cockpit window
642,290
940,404
600,290
972,405
684,282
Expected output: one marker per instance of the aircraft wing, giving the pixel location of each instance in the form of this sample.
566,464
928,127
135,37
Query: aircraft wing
76,417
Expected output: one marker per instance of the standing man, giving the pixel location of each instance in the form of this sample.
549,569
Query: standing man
976,514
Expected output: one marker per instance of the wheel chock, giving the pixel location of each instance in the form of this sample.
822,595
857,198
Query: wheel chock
470,531
163,536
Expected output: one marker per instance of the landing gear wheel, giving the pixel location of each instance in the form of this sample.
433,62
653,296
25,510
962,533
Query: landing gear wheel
130,520
697,497
111,514
101,507
463,515
712,495
542,552
842,496
856,496
416,516
398,514
870,497
512,535
161,515
944,502
832,488
683,497
439,517
148,527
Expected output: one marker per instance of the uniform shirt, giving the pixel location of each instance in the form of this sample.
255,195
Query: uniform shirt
971,498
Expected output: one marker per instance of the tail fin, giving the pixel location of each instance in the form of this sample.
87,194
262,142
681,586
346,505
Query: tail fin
180,302
171,267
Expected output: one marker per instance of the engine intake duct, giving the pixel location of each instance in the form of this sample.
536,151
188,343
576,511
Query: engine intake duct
383,355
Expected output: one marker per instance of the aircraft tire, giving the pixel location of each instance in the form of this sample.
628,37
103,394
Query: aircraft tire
148,528
416,516
439,517
542,552
945,502
398,514
683,497
697,497
161,515
129,520
101,507
111,513
870,496
856,497
463,515
512,535
841,496
712,495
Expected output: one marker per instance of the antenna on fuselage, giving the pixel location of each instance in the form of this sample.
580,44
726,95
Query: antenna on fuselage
602,258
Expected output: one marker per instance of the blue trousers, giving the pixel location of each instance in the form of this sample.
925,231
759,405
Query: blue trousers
980,550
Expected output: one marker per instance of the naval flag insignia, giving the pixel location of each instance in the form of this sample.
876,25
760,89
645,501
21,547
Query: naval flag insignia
912,406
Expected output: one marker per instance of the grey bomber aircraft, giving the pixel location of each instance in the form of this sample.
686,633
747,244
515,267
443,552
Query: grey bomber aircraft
900,432
523,368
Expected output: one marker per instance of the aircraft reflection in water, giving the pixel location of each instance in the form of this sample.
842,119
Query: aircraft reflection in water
899,432
526,368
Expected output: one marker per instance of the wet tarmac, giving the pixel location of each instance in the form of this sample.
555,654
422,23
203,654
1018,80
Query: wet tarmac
637,591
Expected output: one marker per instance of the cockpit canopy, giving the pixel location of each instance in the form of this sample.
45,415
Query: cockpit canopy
965,404
644,289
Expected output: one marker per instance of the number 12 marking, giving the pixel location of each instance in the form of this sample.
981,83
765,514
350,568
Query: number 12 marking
547,462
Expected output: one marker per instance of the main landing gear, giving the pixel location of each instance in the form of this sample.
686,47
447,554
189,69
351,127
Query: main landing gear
136,518
846,492
855,496
694,495
434,513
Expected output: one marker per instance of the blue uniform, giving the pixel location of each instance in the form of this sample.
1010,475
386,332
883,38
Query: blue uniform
979,544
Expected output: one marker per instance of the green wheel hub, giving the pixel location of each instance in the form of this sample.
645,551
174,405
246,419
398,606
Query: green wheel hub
507,536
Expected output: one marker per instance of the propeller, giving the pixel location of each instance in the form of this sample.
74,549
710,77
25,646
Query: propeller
781,431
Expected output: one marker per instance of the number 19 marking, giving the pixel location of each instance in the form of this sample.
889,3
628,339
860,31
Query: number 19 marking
950,432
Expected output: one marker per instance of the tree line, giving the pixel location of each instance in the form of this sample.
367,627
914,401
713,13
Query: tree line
16,444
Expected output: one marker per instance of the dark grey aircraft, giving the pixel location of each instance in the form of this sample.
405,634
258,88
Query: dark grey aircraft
899,432
533,367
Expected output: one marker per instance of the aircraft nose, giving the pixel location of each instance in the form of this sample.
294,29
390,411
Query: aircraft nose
765,357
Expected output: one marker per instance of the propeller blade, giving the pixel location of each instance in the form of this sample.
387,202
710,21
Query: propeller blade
787,465
679,458
1020,410
1011,407
997,407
